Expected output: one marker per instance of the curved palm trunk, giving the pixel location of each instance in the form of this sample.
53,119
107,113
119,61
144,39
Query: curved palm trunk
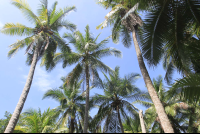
152,92
15,116
87,101
119,118
142,121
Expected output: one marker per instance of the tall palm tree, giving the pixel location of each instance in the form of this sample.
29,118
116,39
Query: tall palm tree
71,107
174,106
124,19
118,93
41,40
34,121
87,59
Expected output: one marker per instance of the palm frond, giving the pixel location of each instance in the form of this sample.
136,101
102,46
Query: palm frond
152,40
55,94
189,87
17,29
66,24
74,74
107,52
58,16
21,44
43,12
26,10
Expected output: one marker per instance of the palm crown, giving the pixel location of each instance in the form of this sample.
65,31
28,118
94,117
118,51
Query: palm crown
89,53
118,92
124,19
45,32
71,106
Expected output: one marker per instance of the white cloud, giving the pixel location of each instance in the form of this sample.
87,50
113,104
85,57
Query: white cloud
42,80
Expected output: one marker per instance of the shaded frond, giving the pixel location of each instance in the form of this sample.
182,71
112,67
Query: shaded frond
189,87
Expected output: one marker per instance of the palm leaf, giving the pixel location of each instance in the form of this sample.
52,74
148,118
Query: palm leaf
189,87
57,16
24,7
17,29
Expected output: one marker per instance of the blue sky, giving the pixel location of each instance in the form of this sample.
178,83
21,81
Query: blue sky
14,71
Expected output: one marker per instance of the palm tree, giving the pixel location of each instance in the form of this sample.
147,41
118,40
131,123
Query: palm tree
124,19
118,92
174,106
34,121
87,60
42,40
71,106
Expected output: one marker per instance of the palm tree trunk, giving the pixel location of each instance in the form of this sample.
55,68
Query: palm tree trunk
72,125
152,92
87,100
191,128
15,116
142,121
119,118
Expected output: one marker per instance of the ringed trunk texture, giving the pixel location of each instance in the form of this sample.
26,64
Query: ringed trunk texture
87,101
142,121
120,122
152,92
15,116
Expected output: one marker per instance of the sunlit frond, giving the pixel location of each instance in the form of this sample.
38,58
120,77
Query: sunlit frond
58,16
26,10
17,29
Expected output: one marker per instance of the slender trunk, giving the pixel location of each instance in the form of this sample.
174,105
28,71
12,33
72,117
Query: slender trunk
72,125
15,116
142,121
191,128
87,101
119,118
152,92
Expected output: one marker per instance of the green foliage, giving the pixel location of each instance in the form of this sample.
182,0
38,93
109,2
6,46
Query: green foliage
122,10
88,53
117,94
179,112
33,121
44,33
4,122
166,27
71,107
188,87
133,126
17,29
